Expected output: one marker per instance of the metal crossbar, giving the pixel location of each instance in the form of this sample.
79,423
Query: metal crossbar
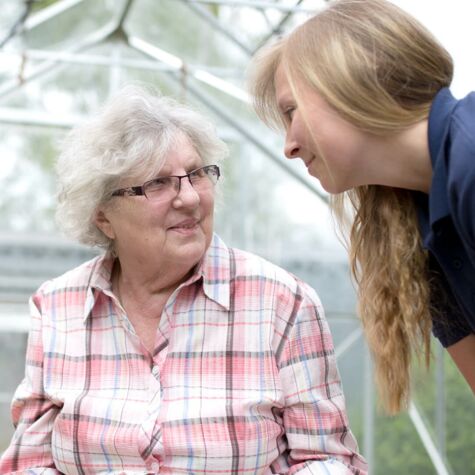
257,4
426,439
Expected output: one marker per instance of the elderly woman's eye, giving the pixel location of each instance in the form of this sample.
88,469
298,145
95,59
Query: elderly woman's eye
199,173
159,183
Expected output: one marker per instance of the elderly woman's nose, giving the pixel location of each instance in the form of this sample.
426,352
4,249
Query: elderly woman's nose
187,193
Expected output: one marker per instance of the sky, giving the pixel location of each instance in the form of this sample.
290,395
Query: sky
452,22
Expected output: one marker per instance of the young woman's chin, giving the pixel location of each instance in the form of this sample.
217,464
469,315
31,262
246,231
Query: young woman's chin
334,190
331,186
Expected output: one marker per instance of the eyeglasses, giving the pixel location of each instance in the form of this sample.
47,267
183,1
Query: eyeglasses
164,188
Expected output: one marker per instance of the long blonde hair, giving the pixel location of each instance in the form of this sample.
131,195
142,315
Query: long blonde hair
380,69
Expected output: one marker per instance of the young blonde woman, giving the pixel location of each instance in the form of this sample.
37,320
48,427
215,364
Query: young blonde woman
362,91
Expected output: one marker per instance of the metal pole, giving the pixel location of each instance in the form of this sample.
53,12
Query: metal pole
123,15
440,404
347,343
216,24
46,67
97,37
276,29
50,12
257,4
178,64
101,60
368,411
431,449
16,116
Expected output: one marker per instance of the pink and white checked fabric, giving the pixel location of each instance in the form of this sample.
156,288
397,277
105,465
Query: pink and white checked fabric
243,379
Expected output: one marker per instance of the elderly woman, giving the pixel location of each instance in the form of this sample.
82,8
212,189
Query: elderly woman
170,353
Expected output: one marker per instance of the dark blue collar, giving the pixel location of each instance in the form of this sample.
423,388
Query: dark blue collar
439,142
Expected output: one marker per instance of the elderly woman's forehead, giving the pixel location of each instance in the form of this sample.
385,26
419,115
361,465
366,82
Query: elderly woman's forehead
184,155
161,161
178,142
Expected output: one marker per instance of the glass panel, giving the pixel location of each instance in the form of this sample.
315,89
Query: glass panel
12,363
261,207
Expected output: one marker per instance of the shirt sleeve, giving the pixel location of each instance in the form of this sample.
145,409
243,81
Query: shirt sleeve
461,180
315,419
33,413
449,324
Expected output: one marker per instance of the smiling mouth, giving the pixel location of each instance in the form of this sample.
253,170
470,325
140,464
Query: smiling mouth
185,225
308,162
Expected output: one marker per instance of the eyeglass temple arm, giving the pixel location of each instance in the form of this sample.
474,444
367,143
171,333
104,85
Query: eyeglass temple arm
130,191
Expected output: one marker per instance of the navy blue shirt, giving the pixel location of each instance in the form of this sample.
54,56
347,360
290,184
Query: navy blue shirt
447,216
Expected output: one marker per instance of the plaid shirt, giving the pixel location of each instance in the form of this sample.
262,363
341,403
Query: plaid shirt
243,379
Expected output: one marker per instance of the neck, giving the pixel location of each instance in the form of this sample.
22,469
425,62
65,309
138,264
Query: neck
407,161
143,281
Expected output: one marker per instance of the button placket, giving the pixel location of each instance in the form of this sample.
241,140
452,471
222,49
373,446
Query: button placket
156,371
457,263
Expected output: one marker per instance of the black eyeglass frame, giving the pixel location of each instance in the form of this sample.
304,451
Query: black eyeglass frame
140,189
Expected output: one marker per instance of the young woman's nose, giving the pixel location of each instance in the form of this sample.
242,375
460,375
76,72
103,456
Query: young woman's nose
291,147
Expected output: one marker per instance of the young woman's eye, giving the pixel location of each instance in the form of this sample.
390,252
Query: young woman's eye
289,113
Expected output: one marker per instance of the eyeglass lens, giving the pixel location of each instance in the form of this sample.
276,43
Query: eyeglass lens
163,188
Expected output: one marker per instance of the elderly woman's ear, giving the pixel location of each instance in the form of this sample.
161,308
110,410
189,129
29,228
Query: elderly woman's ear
102,222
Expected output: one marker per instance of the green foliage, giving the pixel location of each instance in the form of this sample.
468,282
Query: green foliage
460,421
40,4
398,448
214,9
42,150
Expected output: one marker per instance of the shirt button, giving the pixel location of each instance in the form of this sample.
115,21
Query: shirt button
457,263
155,371
154,467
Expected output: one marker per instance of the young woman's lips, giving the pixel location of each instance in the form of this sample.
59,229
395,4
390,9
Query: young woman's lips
308,162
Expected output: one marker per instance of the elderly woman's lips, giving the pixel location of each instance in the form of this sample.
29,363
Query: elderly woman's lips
185,226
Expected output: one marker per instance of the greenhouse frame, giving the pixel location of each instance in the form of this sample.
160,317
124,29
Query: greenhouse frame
61,59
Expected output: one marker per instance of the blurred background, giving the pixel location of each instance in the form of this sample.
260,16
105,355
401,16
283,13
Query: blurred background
59,61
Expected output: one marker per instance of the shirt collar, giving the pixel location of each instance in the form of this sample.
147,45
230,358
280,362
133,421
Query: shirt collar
216,272
439,122
99,280
214,269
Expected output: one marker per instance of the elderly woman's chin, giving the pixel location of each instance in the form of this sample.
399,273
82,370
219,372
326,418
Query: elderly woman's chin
188,244
177,247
